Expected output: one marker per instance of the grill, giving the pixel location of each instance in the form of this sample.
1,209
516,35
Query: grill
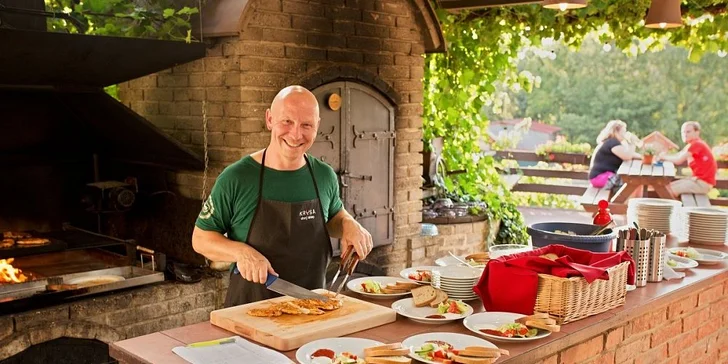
33,294
73,159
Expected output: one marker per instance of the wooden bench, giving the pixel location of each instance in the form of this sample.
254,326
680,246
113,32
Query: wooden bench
510,180
591,197
695,200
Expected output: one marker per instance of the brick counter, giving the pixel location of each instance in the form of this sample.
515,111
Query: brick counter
670,322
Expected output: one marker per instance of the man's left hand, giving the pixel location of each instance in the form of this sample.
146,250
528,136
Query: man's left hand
356,236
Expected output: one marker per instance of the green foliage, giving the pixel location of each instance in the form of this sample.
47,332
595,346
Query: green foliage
562,145
483,50
652,91
156,19
649,150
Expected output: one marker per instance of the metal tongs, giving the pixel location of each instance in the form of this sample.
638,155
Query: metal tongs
348,263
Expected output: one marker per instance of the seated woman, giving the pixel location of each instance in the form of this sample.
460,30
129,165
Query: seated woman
613,147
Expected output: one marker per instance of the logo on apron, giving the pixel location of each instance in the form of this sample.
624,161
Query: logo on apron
207,209
307,214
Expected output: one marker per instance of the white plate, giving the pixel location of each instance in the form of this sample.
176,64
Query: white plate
353,345
458,341
95,280
456,273
709,211
355,286
494,320
682,263
406,308
406,272
449,260
708,256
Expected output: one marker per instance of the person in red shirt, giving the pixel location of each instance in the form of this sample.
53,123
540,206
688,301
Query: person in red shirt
700,160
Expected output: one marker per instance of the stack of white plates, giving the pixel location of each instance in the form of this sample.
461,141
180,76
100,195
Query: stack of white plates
653,213
707,225
456,281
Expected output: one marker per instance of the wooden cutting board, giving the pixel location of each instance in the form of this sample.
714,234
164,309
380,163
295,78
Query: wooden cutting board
288,332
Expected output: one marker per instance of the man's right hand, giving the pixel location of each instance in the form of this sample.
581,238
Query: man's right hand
253,266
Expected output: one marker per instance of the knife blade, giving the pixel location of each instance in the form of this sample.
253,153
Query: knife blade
287,288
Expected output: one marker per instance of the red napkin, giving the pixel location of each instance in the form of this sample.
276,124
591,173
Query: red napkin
510,283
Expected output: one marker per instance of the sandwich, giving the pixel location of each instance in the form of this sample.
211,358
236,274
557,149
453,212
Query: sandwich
480,257
399,287
478,355
32,241
541,321
7,243
393,353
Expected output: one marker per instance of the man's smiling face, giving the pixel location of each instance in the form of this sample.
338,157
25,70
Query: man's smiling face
293,124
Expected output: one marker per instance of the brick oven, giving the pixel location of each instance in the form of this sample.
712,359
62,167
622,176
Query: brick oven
363,59
83,192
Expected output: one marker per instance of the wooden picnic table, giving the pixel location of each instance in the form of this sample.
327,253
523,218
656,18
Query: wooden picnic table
636,175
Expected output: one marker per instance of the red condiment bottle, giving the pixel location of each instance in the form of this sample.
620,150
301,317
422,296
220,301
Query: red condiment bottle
603,217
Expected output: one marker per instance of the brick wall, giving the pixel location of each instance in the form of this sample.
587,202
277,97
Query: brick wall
460,239
285,42
115,316
691,329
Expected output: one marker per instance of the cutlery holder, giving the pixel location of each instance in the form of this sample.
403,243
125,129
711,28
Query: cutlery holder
640,252
657,258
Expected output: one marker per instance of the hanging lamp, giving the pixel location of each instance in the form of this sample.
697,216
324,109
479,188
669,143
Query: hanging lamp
564,4
664,14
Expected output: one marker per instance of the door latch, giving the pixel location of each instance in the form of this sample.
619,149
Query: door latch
346,173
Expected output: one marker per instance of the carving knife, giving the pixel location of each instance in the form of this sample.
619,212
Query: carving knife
286,288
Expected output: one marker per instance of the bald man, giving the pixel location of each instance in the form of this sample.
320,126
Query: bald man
274,211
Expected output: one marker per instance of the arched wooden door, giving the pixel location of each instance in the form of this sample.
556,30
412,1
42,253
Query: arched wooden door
357,140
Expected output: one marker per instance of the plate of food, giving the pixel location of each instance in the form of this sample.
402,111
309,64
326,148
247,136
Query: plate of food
680,264
339,350
421,308
510,327
381,287
441,347
422,274
702,256
475,260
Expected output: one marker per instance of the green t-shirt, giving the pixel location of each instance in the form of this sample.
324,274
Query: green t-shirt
234,197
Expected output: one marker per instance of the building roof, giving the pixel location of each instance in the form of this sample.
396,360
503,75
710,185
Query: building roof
535,125
656,136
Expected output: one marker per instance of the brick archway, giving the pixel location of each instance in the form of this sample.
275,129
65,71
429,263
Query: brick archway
35,335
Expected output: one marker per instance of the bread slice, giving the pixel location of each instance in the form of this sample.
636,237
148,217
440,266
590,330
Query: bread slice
472,360
540,325
387,352
440,298
388,360
485,352
422,296
405,285
388,290
392,346
539,315
480,257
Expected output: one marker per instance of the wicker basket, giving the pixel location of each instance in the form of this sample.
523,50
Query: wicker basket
571,299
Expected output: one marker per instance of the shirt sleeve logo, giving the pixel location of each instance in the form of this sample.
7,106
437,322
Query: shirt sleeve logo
208,208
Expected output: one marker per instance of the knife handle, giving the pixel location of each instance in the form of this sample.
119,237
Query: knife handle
271,278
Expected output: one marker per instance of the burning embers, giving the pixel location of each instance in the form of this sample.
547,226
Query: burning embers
10,274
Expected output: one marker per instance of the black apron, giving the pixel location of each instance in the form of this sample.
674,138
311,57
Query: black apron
293,237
